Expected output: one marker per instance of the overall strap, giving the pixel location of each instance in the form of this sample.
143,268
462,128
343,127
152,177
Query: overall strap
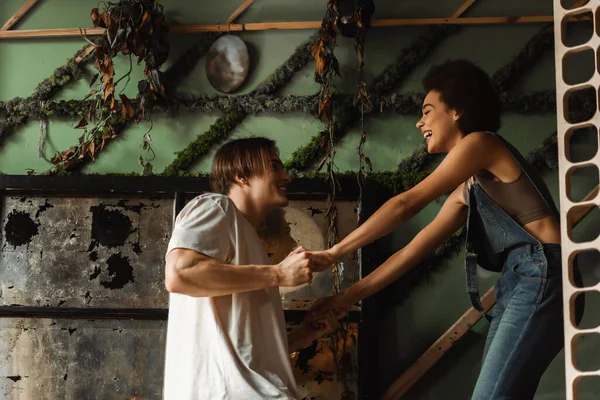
471,261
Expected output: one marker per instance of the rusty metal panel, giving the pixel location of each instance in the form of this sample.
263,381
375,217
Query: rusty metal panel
84,252
45,359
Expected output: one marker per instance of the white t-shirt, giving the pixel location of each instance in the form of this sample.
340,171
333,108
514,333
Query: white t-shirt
226,347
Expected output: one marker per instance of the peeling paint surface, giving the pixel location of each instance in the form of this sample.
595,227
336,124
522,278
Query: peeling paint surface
84,252
303,223
315,367
73,359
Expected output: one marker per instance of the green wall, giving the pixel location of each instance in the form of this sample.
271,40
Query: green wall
406,329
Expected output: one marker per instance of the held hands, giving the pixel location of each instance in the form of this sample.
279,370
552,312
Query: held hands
295,269
337,304
298,267
321,260
316,326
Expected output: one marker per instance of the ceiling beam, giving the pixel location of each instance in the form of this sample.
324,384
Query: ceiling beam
19,14
239,11
261,26
461,10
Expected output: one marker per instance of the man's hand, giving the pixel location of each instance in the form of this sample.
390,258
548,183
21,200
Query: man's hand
295,269
321,260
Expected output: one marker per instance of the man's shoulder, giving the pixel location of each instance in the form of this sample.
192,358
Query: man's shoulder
207,206
212,200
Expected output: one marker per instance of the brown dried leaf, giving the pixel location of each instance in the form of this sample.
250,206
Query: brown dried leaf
369,163
145,18
109,89
95,17
81,124
65,155
325,107
91,93
92,150
315,51
106,21
127,110
84,150
321,163
367,160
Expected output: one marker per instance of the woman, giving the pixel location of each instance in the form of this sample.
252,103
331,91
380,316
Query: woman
512,228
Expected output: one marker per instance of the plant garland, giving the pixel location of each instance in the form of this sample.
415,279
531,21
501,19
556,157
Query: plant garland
507,76
402,104
18,111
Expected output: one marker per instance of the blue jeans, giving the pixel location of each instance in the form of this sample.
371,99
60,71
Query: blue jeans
526,331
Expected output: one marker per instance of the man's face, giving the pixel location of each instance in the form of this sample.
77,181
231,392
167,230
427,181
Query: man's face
269,190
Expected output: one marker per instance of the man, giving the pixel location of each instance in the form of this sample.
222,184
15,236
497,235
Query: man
226,336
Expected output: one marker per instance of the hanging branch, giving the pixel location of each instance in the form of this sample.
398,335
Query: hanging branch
326,68
362,17
387,81
134,28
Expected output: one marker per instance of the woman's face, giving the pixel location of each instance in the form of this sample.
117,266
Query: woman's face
438,125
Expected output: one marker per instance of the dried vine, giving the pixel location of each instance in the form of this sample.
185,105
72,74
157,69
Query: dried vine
384,83
133,28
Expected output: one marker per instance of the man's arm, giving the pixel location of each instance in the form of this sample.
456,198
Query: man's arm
194,274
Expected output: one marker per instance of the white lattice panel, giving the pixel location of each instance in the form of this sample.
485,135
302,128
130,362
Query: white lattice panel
570,211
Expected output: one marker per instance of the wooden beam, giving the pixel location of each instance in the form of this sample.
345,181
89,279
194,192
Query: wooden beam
438,349
239,11
261,26
19,14
264,26
181,29
73,32
464,21
456,332
51,33
461,10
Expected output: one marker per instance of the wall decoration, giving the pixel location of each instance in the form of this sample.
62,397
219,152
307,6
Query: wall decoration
227,63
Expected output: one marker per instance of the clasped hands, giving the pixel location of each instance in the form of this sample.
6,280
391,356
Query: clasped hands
298,268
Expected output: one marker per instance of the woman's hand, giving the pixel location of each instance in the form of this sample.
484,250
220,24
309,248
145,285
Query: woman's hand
321,260
338,304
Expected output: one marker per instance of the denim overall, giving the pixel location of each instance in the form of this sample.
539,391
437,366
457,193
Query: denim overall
526,328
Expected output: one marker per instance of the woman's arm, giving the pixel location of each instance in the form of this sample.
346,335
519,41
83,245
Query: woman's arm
475,152
451,217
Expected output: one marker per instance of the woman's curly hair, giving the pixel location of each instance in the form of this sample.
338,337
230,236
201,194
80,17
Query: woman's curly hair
466,88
